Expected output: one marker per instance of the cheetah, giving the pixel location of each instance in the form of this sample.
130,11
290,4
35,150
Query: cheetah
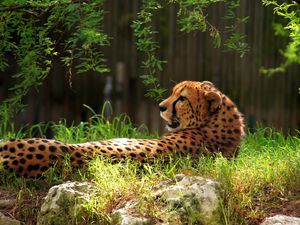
200,120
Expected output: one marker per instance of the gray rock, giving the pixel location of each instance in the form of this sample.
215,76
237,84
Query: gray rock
124,216
192,199
5,220
64,203
281,220
189,200
6,203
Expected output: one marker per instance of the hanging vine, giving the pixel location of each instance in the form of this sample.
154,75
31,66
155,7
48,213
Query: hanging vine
143,30
191,16
289,28
36,32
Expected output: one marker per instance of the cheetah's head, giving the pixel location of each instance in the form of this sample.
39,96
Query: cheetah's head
191,105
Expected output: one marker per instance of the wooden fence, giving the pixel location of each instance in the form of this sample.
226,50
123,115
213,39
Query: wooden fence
272,101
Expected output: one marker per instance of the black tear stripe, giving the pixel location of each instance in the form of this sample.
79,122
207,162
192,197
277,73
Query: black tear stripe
174,108
174,113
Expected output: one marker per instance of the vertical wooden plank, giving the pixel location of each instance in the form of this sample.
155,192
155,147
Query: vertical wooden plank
190,56
171,47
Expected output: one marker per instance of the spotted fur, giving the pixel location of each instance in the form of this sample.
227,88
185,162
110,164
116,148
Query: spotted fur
200,118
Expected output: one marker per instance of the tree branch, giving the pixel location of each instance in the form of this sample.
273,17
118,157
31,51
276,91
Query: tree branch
15,7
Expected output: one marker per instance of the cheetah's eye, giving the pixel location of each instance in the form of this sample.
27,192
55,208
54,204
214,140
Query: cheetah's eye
181,98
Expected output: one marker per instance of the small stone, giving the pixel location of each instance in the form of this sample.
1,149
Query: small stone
64,203
7,203
281,220
5,220
124,216
192,195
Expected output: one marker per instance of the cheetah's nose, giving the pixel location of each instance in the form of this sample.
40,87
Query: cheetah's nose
162,108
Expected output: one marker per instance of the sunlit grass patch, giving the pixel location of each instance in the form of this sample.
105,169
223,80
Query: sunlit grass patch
263,177
116,184
257,182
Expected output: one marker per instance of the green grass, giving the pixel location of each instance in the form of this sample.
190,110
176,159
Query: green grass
263,177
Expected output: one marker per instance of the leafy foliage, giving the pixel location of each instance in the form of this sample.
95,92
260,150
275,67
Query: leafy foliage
289,12
145,43
37,32
235,41
191,16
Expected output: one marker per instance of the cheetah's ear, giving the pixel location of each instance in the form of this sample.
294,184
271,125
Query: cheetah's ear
207,83
214,100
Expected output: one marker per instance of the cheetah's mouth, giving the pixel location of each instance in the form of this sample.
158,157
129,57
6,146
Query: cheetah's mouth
174,123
